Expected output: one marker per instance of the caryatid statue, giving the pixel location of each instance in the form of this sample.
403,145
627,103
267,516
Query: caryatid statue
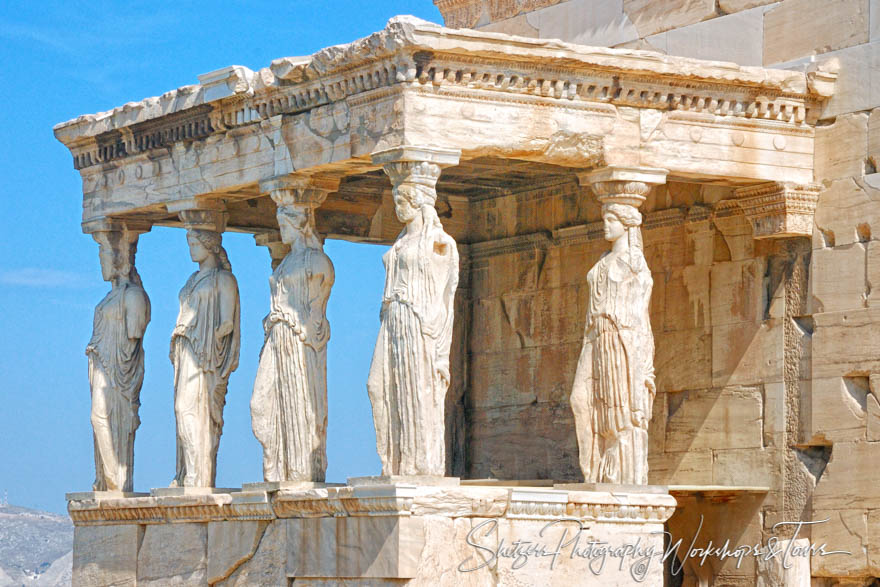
204,350
116,358
289,404
409,374
614,387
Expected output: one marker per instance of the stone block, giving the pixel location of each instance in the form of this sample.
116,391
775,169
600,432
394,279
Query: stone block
230,544
683,359
735,37
836,348
737,291
378,547
838,409
774,413
106,555
693,467
841,148
845,214
850,480
558,315
655,16
714,419
267,565
597,23
858,82
797,28
533,441
173,554
518,25
503,379
873,414
731,6
837,280
747,353
756,467
845,530
874,541
874,133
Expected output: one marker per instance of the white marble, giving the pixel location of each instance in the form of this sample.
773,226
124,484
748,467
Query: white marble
116,361
204,351
409,375
289,403
614,386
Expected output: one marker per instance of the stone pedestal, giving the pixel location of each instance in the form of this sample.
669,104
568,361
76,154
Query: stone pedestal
378,534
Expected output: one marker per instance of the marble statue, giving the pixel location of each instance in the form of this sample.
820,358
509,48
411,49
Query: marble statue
116,361
614,384
409,374
204,351
289,404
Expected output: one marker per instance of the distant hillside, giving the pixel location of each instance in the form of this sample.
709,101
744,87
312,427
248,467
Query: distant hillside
35,548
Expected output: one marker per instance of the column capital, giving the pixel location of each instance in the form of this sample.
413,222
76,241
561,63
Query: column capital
421,165
623,185
779,210
105,224
299,190
201,213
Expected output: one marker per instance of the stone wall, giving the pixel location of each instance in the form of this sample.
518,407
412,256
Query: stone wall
768,353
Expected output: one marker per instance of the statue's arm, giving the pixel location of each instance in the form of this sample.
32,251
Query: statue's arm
228,304
137,312
449,252
323,278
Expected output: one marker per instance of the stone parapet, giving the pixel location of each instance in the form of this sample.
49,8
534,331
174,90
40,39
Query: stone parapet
383,533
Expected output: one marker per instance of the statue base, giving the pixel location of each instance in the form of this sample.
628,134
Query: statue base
380,534
278,485
431,480
182,491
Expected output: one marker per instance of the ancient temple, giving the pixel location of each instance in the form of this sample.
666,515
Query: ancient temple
764,408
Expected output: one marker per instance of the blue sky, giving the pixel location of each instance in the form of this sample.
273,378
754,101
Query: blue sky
63,59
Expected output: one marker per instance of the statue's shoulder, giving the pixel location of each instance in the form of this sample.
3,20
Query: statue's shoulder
135,294
226,279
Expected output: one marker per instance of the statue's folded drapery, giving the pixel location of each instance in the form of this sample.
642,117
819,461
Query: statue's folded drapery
116,373
409,374
202,365
289,404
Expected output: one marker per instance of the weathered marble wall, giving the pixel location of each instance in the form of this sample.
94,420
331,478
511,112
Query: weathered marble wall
760,346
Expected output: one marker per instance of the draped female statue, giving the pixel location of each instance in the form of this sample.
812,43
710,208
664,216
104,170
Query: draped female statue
289,404
116,361
204,351
409,374
614,384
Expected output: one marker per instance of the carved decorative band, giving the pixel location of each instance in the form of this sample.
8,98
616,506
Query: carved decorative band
779,210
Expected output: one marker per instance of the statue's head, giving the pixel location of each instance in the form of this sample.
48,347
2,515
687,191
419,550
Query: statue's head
410,198
116,250
617,218
203,243
294,221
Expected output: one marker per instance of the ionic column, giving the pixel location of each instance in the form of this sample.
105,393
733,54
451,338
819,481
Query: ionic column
409,375
289,403
204,344
614,388
116,354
